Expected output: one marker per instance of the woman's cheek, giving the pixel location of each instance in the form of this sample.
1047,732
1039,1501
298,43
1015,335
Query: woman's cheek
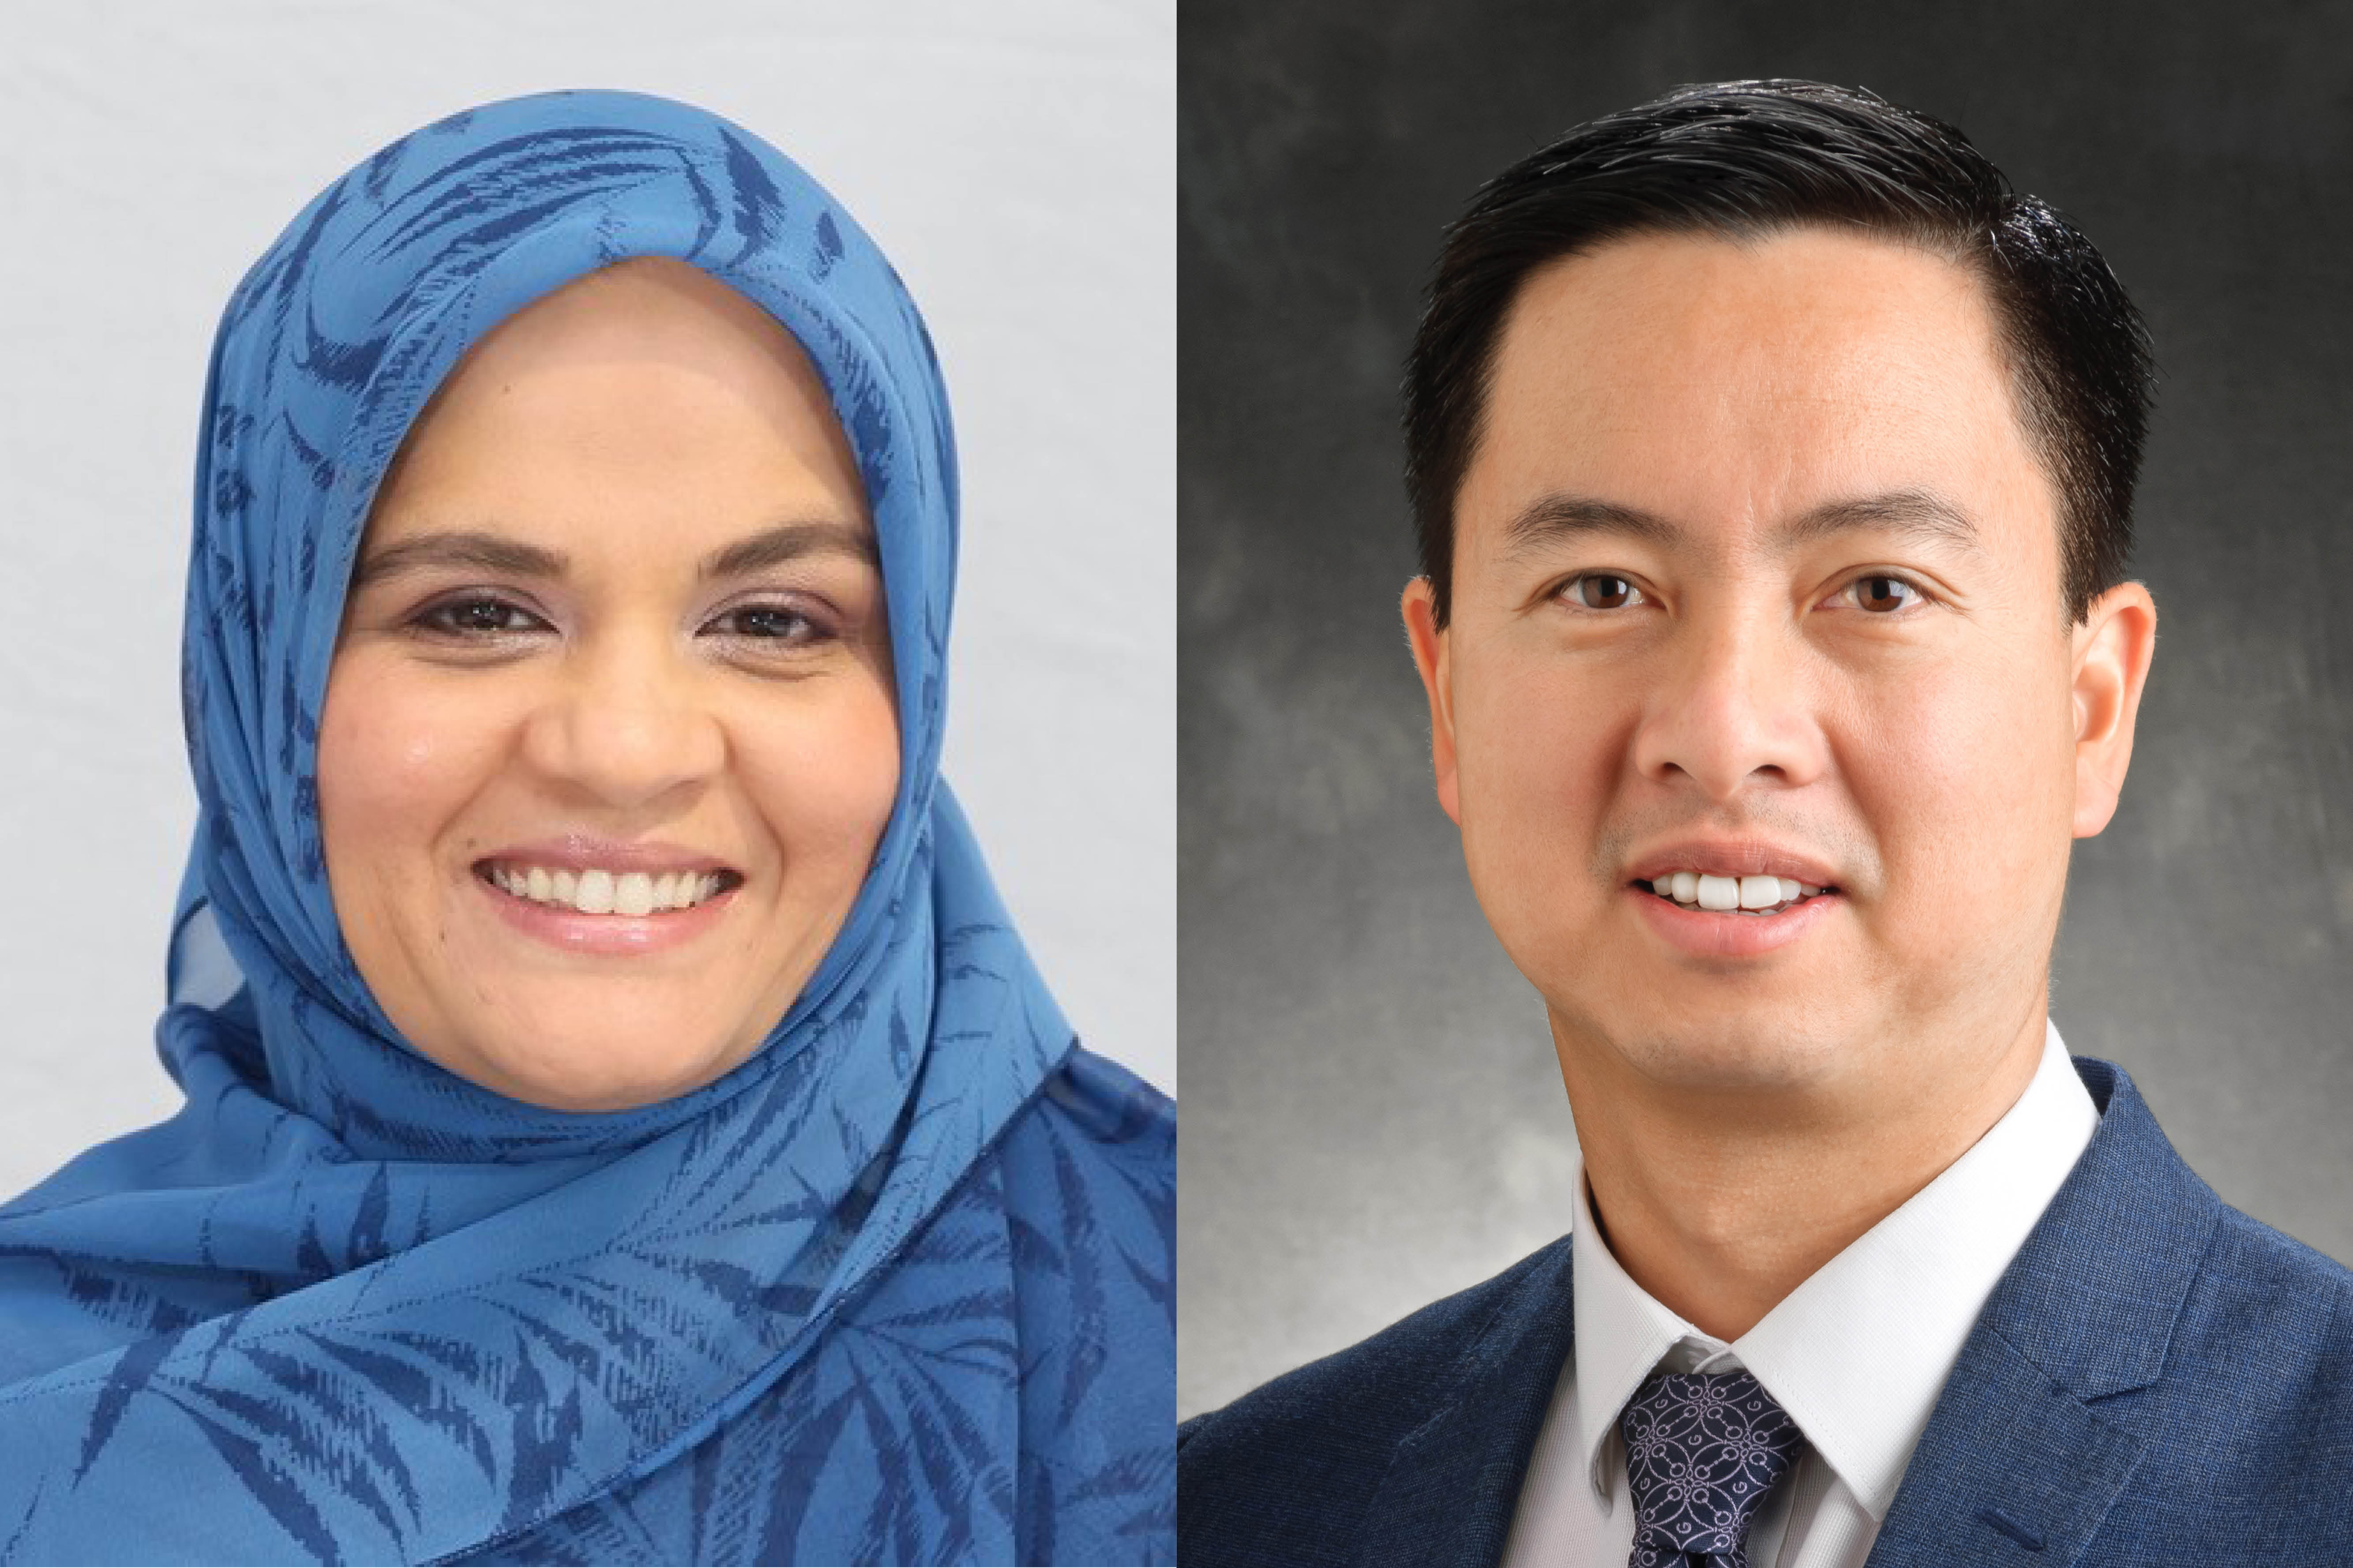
398,756
355,796
826,784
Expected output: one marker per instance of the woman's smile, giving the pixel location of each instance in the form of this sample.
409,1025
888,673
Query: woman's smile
584,895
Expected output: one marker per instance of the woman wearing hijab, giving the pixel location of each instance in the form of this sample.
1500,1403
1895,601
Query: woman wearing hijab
621,1122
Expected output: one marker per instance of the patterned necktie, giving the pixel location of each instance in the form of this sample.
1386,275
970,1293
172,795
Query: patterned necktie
1703,1449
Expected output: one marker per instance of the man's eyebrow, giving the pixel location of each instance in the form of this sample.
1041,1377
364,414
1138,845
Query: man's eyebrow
1556,519
475,549
1916,514
792,541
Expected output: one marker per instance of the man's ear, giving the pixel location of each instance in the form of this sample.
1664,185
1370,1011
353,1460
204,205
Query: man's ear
1420,607
2114,644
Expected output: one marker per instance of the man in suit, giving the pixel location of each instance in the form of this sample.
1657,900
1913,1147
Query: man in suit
1772,463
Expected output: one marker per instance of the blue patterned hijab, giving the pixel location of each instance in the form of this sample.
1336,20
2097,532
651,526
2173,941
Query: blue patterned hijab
864,1298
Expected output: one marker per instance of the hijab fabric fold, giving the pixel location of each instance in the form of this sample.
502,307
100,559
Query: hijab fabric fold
346,1305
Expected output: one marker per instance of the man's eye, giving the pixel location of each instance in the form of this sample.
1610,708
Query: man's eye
477,617
1602,591
1883,596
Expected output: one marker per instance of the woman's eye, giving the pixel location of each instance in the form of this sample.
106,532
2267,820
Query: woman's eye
478,617
772,622
1883,596
1602,591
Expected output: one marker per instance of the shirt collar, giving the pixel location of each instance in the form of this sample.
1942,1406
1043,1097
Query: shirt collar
1859,1352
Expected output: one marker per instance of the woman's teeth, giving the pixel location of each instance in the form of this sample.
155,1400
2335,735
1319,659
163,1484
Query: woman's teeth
605,892
1745,895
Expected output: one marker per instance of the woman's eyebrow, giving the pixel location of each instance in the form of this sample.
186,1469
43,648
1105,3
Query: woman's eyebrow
791,542
478,551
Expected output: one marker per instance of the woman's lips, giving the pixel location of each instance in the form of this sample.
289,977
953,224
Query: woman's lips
569,930
1708,934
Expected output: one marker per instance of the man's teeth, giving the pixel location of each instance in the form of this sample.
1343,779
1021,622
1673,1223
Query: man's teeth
605,893
1748,895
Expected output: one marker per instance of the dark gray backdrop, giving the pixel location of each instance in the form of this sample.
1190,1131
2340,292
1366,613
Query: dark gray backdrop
1373,1117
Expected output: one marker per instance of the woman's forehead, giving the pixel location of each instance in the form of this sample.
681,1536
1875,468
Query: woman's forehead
647,399
648,350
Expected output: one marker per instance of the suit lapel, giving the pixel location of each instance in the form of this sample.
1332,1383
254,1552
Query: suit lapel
2014,1469
1453,1482
2018,1464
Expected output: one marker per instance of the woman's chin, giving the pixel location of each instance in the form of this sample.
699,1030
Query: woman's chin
599,1068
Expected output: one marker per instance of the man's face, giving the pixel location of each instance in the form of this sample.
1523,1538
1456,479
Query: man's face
1757,574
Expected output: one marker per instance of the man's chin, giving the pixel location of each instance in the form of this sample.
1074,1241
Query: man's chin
1763,1051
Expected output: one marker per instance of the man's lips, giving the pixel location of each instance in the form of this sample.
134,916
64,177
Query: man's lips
1732,857
1707,920
1729,933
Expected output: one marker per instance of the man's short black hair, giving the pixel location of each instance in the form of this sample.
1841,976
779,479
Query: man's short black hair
1746,159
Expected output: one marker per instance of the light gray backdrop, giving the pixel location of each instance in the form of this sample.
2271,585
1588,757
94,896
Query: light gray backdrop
1373,1117
1015,160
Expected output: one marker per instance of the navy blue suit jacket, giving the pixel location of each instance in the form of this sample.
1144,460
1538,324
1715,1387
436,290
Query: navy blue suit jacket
2157,1379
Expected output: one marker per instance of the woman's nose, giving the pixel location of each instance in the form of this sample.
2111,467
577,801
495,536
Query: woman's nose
628,725
1731,710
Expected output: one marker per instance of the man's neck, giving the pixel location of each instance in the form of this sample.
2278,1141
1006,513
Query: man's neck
1720,1204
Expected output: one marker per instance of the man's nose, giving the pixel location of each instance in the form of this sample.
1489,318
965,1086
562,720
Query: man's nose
1734,709
629,724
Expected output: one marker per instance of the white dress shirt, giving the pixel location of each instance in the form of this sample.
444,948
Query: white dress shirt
1857,1354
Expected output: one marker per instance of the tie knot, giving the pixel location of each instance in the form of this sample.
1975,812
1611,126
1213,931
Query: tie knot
1703,1449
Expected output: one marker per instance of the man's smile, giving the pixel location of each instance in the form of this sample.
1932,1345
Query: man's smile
1737,931
1734,895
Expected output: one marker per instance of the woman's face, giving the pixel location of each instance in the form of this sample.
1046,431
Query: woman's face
609,736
